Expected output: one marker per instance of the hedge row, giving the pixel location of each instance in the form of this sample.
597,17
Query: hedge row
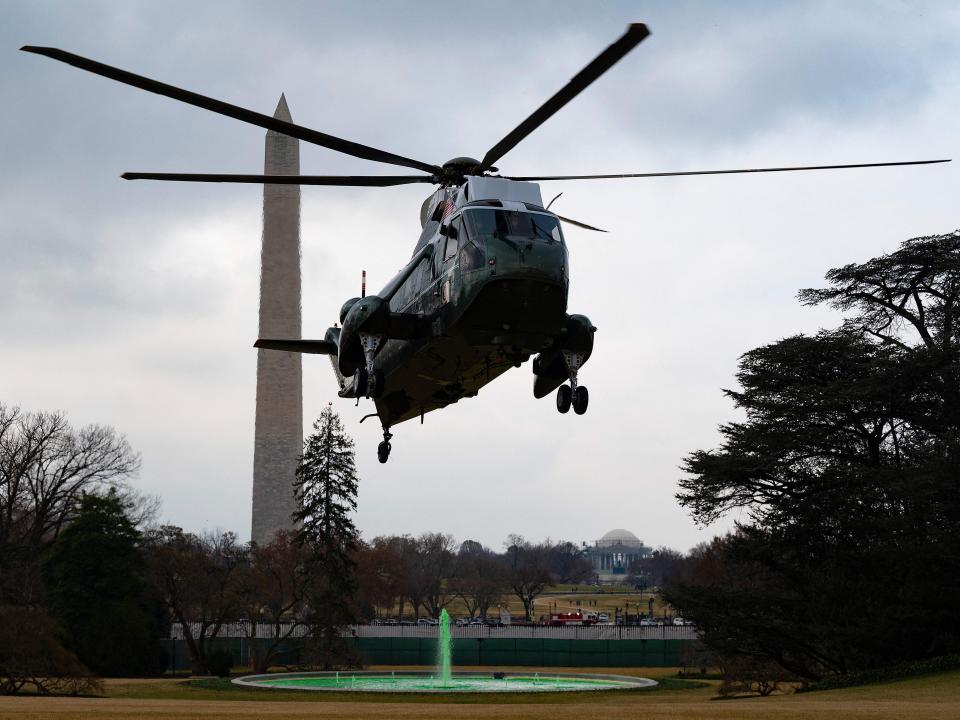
915,668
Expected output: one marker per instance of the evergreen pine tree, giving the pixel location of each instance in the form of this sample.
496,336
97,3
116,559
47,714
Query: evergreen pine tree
95,589
326,491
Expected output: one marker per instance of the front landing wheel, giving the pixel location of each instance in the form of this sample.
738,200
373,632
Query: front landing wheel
581,398
383,451
564,398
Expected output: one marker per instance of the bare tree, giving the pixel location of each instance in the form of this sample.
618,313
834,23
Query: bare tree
272,589
380,573
32,658
141,508
435,564
567,563
657,568
45,466
408,557
528,570
479,578
198,578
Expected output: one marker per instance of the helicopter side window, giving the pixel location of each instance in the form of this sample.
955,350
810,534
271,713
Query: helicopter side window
450,251
406,293
471,245
422,277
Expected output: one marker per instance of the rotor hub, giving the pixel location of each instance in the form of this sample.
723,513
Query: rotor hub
456,170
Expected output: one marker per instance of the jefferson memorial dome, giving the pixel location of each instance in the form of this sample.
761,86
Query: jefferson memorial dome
612,554
619,536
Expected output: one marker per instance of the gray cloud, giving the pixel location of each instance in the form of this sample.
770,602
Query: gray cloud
134,304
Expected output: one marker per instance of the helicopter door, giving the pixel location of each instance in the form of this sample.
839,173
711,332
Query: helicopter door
450,251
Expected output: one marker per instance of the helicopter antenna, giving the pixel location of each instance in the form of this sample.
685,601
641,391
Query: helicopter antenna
363,284
553,201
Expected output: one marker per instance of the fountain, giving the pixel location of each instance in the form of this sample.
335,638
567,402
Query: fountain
443,679
444,650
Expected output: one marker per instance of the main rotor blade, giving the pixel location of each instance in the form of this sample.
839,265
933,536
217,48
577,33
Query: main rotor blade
580,224
723,172
603,62
297,131
338,180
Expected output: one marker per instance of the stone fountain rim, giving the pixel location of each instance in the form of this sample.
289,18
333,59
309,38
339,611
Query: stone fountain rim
626,682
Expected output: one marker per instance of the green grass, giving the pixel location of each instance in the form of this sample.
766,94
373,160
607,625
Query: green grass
931,697
223,689
607,599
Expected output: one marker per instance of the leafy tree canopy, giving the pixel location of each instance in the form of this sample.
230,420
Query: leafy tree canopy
846,469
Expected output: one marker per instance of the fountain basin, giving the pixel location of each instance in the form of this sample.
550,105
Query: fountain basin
427,682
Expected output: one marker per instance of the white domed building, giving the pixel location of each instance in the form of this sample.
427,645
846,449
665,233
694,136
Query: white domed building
612,554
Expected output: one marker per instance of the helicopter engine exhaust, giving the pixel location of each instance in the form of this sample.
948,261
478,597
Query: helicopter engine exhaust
369,315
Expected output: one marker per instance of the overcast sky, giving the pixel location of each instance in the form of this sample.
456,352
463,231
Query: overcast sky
135,304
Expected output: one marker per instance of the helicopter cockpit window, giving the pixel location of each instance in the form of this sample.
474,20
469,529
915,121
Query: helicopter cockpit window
512,225
546,227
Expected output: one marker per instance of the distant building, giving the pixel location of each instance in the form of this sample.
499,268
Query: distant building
612,554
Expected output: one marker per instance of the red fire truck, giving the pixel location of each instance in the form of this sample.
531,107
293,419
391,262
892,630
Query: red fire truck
573,618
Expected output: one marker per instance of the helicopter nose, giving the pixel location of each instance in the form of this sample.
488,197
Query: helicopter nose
528,259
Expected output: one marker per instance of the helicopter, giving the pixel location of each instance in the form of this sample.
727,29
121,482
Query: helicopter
486,287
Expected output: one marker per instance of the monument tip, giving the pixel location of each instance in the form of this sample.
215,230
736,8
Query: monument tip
282,112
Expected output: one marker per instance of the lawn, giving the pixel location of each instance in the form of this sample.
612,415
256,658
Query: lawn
923,698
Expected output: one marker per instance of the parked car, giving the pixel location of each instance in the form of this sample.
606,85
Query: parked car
390,621
648,622
603,617
679,621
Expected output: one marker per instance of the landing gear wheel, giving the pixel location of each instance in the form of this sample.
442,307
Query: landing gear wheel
375,384
362,382
581,399
564,397
383,449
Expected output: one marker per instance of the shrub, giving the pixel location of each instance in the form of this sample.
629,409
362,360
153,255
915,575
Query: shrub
749,675
930,666
219,663
32,658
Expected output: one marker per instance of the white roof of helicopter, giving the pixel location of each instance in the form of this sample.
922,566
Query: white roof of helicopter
493,188
512,193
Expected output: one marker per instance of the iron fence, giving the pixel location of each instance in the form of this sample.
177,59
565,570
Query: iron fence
263,631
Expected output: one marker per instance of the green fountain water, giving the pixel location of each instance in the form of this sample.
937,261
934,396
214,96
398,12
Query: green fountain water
460,682
444,646
442,679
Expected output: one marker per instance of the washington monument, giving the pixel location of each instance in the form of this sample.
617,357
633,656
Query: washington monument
279,418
